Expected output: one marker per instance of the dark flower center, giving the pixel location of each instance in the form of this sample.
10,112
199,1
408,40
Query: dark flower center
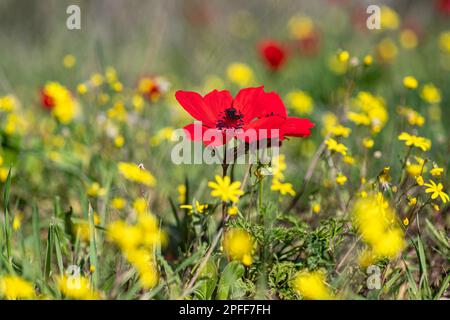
230,118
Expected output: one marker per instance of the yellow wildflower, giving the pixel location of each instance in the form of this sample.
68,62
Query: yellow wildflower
300,101
312,285
224,189
69,61
436,171
238,245
408,39
240,74
436,190
410,82
232,210
368,60
95,190
375,220
341,131
431,94
118,203
198,207
181,193
368,143
341,179
284,188
334,146
77,287
136,173
14,287
415,141
389,18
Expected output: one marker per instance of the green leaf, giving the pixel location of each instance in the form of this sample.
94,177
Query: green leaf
36,236
48,255
230,275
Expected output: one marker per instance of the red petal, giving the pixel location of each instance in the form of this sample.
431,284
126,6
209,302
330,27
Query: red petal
209,136
218,101
270,104
193,103
297,127
246,102
264,128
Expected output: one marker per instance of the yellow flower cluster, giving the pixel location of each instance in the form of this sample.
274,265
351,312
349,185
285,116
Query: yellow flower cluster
137,243
164,134
65,107
278,166
300,101
14,287
77,287
334,146
312,285
377,223
136,173
370,111
238,245
412,116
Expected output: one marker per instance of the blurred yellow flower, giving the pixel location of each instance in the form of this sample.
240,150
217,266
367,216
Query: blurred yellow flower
387,50
341,179
368,60
408,39
69,61
77,287
368,143
415,141
95,190
430,94
136,173
311,285
410,82
181,193
436,171
14,287
300,26
444,41
240,74
198,207
341,131
334,146
118,203
376,222
283,188
300,101
389,18
238,245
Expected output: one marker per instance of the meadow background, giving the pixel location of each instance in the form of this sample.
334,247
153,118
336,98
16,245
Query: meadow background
81,220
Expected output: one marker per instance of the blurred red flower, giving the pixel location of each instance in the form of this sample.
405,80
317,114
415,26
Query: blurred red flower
46,100
443,6
251,110
309,45
272,53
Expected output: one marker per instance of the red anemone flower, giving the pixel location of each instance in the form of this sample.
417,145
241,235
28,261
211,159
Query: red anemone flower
310,44
272,53
251,116
444,6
